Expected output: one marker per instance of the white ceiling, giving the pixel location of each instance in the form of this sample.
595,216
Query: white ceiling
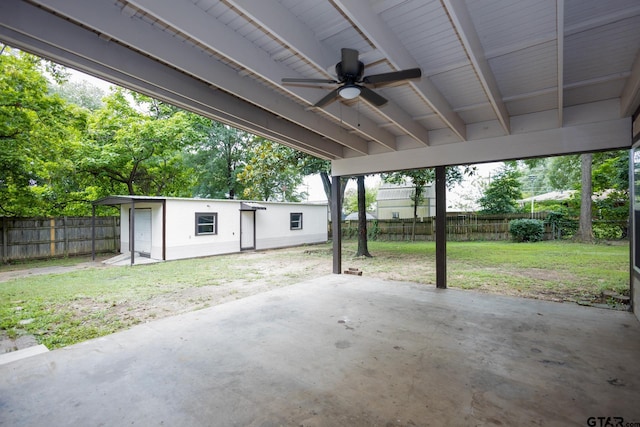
498,82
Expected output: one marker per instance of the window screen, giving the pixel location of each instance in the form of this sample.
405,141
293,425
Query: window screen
296,221
206,223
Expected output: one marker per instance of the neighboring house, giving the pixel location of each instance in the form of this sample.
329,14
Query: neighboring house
167,228
394,201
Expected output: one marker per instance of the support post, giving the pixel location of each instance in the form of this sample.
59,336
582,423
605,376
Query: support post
441,227
336,223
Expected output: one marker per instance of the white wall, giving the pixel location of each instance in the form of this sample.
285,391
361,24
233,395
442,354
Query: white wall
156,228
273,225
181,238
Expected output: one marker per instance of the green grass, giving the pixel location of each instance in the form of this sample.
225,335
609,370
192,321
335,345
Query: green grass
573,268
62,309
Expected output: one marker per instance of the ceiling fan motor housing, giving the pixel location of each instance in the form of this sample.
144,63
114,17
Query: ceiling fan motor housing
349,76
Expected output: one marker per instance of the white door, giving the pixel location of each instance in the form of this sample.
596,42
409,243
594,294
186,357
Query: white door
247,230
142,232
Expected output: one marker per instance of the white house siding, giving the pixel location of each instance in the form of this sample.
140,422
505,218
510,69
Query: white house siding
273,225
156,228
181,238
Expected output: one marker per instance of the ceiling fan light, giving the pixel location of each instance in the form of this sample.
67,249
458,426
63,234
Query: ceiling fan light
349,92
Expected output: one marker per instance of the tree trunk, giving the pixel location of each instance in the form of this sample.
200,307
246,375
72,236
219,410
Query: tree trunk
585,230
326,184
363,250
417,196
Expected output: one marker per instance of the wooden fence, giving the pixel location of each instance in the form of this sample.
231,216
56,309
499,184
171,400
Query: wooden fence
35,238
459,228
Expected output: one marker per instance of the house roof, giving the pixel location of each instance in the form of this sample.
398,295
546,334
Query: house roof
500,79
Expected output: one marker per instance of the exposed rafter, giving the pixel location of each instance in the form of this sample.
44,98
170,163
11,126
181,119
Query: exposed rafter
376,30
560,50
141,73
463,25
227,43
269,14
108,19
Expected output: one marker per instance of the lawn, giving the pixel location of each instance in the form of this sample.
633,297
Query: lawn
63,309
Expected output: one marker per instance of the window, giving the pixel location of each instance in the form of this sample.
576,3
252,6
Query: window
206,223
296,221
395,215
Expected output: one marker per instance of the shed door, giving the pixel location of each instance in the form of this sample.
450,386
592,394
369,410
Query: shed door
247,230
142,232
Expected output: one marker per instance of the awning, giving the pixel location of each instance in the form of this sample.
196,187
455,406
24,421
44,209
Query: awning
251,206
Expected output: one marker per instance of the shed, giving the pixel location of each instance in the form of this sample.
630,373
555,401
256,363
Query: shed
169,228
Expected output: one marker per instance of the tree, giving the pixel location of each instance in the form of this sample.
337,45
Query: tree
217,159
351,200
269,174
609,180
138,149
503,192
37,133
310,165
585,228
363,249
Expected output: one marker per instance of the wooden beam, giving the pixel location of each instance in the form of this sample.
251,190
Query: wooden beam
336,224
560,58
441,227
461,19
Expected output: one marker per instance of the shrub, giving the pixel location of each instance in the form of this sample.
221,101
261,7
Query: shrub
526,230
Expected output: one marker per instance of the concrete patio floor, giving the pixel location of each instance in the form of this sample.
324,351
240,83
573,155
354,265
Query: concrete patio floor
342,351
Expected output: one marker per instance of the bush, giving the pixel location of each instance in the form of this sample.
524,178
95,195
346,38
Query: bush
526,230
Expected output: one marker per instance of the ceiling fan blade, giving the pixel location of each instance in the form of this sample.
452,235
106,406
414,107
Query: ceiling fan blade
394,76
294,80
372,97
327,99
350,63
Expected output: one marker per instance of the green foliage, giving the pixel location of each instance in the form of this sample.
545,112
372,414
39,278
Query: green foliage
217,159
351,200
270,174
563,224
37,134
526,230
138,149
503,192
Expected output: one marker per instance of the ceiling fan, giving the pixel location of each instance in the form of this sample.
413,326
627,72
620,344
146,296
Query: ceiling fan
352,84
